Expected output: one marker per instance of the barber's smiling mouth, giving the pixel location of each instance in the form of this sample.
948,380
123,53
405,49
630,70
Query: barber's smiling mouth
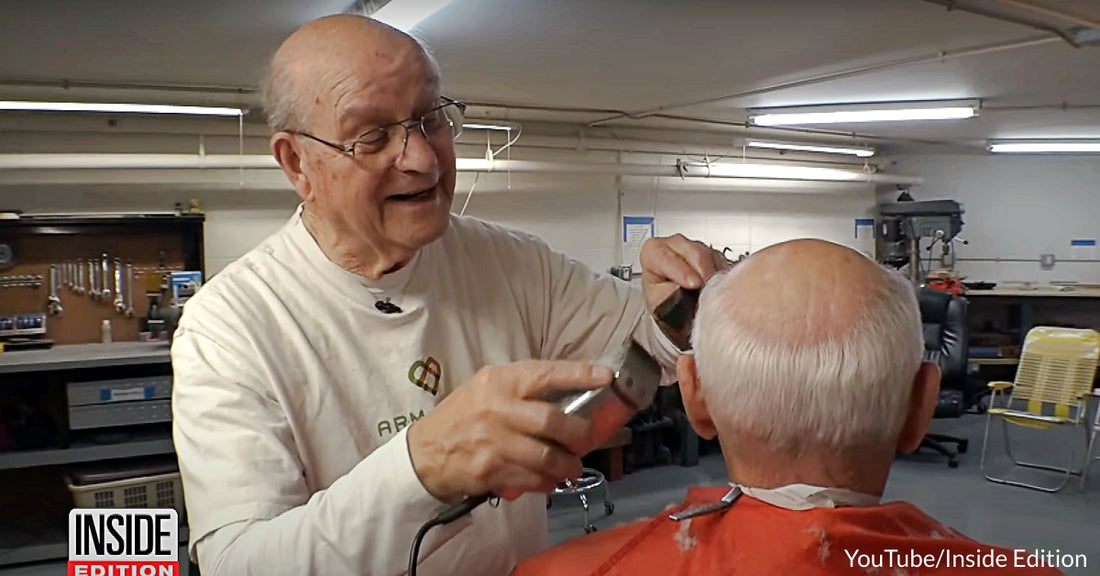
414,197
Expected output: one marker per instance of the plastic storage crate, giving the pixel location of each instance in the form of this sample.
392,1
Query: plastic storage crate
145,484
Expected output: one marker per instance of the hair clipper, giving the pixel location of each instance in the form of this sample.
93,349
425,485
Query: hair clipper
611,407
608,408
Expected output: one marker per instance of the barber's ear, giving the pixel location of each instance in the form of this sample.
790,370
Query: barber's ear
285,148
922,406
694,403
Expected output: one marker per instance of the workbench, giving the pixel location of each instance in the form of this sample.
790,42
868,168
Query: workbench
1023,302
1068,291
78,356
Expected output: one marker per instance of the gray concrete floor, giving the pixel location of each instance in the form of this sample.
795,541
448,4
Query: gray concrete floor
962,498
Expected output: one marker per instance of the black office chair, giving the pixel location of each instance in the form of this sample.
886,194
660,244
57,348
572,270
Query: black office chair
946,339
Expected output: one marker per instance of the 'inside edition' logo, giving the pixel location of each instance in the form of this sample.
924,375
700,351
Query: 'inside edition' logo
123,542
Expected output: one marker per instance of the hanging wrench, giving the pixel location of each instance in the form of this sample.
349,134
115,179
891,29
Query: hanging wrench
129,289
93,279
54,301
105,266
97,277
120,301
79,269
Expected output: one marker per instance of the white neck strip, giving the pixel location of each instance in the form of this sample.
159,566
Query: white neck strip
805,497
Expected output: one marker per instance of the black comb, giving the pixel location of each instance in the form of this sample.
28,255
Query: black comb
678,308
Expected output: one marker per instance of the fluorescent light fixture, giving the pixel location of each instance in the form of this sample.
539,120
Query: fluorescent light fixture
860,152
119,108
870,112
1045,147
406,14
499,127
722,170
784,172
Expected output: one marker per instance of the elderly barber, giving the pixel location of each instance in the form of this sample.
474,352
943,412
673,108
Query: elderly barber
379,357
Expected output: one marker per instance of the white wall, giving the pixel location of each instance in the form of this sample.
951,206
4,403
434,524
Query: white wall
580,214
747,221
1017,208
577,214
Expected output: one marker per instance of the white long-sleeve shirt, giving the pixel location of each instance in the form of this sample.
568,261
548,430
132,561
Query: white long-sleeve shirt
293,394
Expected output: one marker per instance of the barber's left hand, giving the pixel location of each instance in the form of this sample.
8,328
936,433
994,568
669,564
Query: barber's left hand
673,262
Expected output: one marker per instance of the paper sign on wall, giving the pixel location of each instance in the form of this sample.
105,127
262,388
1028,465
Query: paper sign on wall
636,230
1083,248
865,228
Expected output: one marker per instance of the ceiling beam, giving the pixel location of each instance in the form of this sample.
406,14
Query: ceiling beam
953,5
841,74
1072,18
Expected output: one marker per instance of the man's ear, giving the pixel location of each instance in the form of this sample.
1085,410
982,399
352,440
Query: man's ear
285,148
922,405
694,403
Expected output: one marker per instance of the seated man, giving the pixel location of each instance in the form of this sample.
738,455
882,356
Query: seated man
808,368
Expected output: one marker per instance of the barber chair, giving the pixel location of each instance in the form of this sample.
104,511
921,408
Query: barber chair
946,341
590,481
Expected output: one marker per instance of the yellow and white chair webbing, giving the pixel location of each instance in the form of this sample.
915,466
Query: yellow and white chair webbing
1051,390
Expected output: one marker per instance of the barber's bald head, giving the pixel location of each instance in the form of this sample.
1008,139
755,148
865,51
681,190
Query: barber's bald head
344,49
807,348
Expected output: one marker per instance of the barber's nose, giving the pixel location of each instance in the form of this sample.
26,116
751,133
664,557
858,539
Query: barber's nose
417,153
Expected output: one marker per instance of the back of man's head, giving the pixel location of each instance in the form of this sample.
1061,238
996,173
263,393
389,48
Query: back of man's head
808,352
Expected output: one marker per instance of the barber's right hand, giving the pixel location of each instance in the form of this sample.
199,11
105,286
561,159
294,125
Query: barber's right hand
495,434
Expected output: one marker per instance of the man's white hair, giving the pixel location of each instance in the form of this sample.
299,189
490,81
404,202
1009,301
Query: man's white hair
841,387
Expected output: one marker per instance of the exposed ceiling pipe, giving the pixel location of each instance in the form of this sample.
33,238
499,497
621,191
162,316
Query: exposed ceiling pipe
841,74
729,127
256,161
852,136
134,161
160,86
956,5
661,148
521,166
151,93
761,132
1052,13
541,108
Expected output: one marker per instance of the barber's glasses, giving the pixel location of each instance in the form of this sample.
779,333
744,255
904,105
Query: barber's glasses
436,125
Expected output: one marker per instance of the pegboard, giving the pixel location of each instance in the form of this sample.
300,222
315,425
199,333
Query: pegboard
148,247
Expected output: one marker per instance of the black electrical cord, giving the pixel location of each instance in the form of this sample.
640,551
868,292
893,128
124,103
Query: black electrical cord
679,307
447,516
414,555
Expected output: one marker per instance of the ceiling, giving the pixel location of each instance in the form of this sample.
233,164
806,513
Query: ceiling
689,64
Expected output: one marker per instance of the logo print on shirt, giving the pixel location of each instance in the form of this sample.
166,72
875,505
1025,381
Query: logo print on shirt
426,374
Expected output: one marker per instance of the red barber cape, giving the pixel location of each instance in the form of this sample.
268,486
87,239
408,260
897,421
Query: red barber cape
754,538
